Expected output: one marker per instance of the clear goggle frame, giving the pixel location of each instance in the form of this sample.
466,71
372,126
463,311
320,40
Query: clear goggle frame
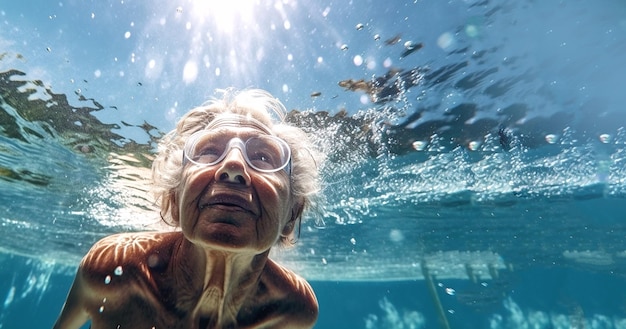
263,153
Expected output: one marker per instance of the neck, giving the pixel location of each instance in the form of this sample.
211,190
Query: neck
213,284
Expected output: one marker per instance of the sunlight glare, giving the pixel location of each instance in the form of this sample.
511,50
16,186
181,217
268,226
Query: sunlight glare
226,15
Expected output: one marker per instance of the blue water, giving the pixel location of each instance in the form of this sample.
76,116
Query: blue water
475,176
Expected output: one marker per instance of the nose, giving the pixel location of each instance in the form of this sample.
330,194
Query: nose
233,168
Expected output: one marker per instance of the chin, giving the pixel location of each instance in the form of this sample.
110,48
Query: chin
224,237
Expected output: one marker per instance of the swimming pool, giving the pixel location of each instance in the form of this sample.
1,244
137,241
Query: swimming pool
475,174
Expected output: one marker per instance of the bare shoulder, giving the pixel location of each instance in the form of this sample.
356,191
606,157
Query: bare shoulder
127,253
116,273
296,293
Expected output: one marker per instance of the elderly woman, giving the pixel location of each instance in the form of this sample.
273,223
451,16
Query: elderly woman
235,183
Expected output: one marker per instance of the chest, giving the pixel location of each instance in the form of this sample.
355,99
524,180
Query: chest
138,308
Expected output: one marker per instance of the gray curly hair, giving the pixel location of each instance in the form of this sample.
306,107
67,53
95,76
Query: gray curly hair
258,104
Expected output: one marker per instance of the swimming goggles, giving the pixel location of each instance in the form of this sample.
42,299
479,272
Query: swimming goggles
264,153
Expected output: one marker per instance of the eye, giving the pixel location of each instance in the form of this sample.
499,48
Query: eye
207,154
265,153
263,159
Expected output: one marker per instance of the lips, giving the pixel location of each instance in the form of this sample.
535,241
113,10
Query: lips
229,201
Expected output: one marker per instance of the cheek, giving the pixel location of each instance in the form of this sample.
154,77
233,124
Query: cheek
194,182
187,196
275,198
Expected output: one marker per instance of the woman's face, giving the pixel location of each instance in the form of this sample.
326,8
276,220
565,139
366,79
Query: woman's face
231,206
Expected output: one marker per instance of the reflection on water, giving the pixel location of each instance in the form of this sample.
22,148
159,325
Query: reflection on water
506,187
31,111
63,170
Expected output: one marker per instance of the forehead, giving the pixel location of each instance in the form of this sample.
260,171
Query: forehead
233,131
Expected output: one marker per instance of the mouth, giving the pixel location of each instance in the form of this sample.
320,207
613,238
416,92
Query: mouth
229,203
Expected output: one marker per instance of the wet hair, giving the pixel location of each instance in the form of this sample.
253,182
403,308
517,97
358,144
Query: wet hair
258,104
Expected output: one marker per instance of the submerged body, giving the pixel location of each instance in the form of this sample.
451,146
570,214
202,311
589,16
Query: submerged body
144,280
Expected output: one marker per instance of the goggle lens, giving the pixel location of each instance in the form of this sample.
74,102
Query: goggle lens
264,153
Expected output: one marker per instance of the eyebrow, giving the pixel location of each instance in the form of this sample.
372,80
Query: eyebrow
238,121
241,132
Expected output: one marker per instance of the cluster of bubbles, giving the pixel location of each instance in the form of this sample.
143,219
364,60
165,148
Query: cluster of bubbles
518,318
118,271
394,319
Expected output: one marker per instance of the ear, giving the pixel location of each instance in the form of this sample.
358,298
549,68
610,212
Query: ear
174,211
290,226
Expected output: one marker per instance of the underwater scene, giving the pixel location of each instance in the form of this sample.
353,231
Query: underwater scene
476,149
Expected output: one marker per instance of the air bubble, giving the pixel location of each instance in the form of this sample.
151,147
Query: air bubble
551,138
474,145
190,72
153,261
450,291
353,241
118,271
344,47
419,145
364,99
326,11
107,280
445,40
396,235
605,138
359,27
10,296
471,30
